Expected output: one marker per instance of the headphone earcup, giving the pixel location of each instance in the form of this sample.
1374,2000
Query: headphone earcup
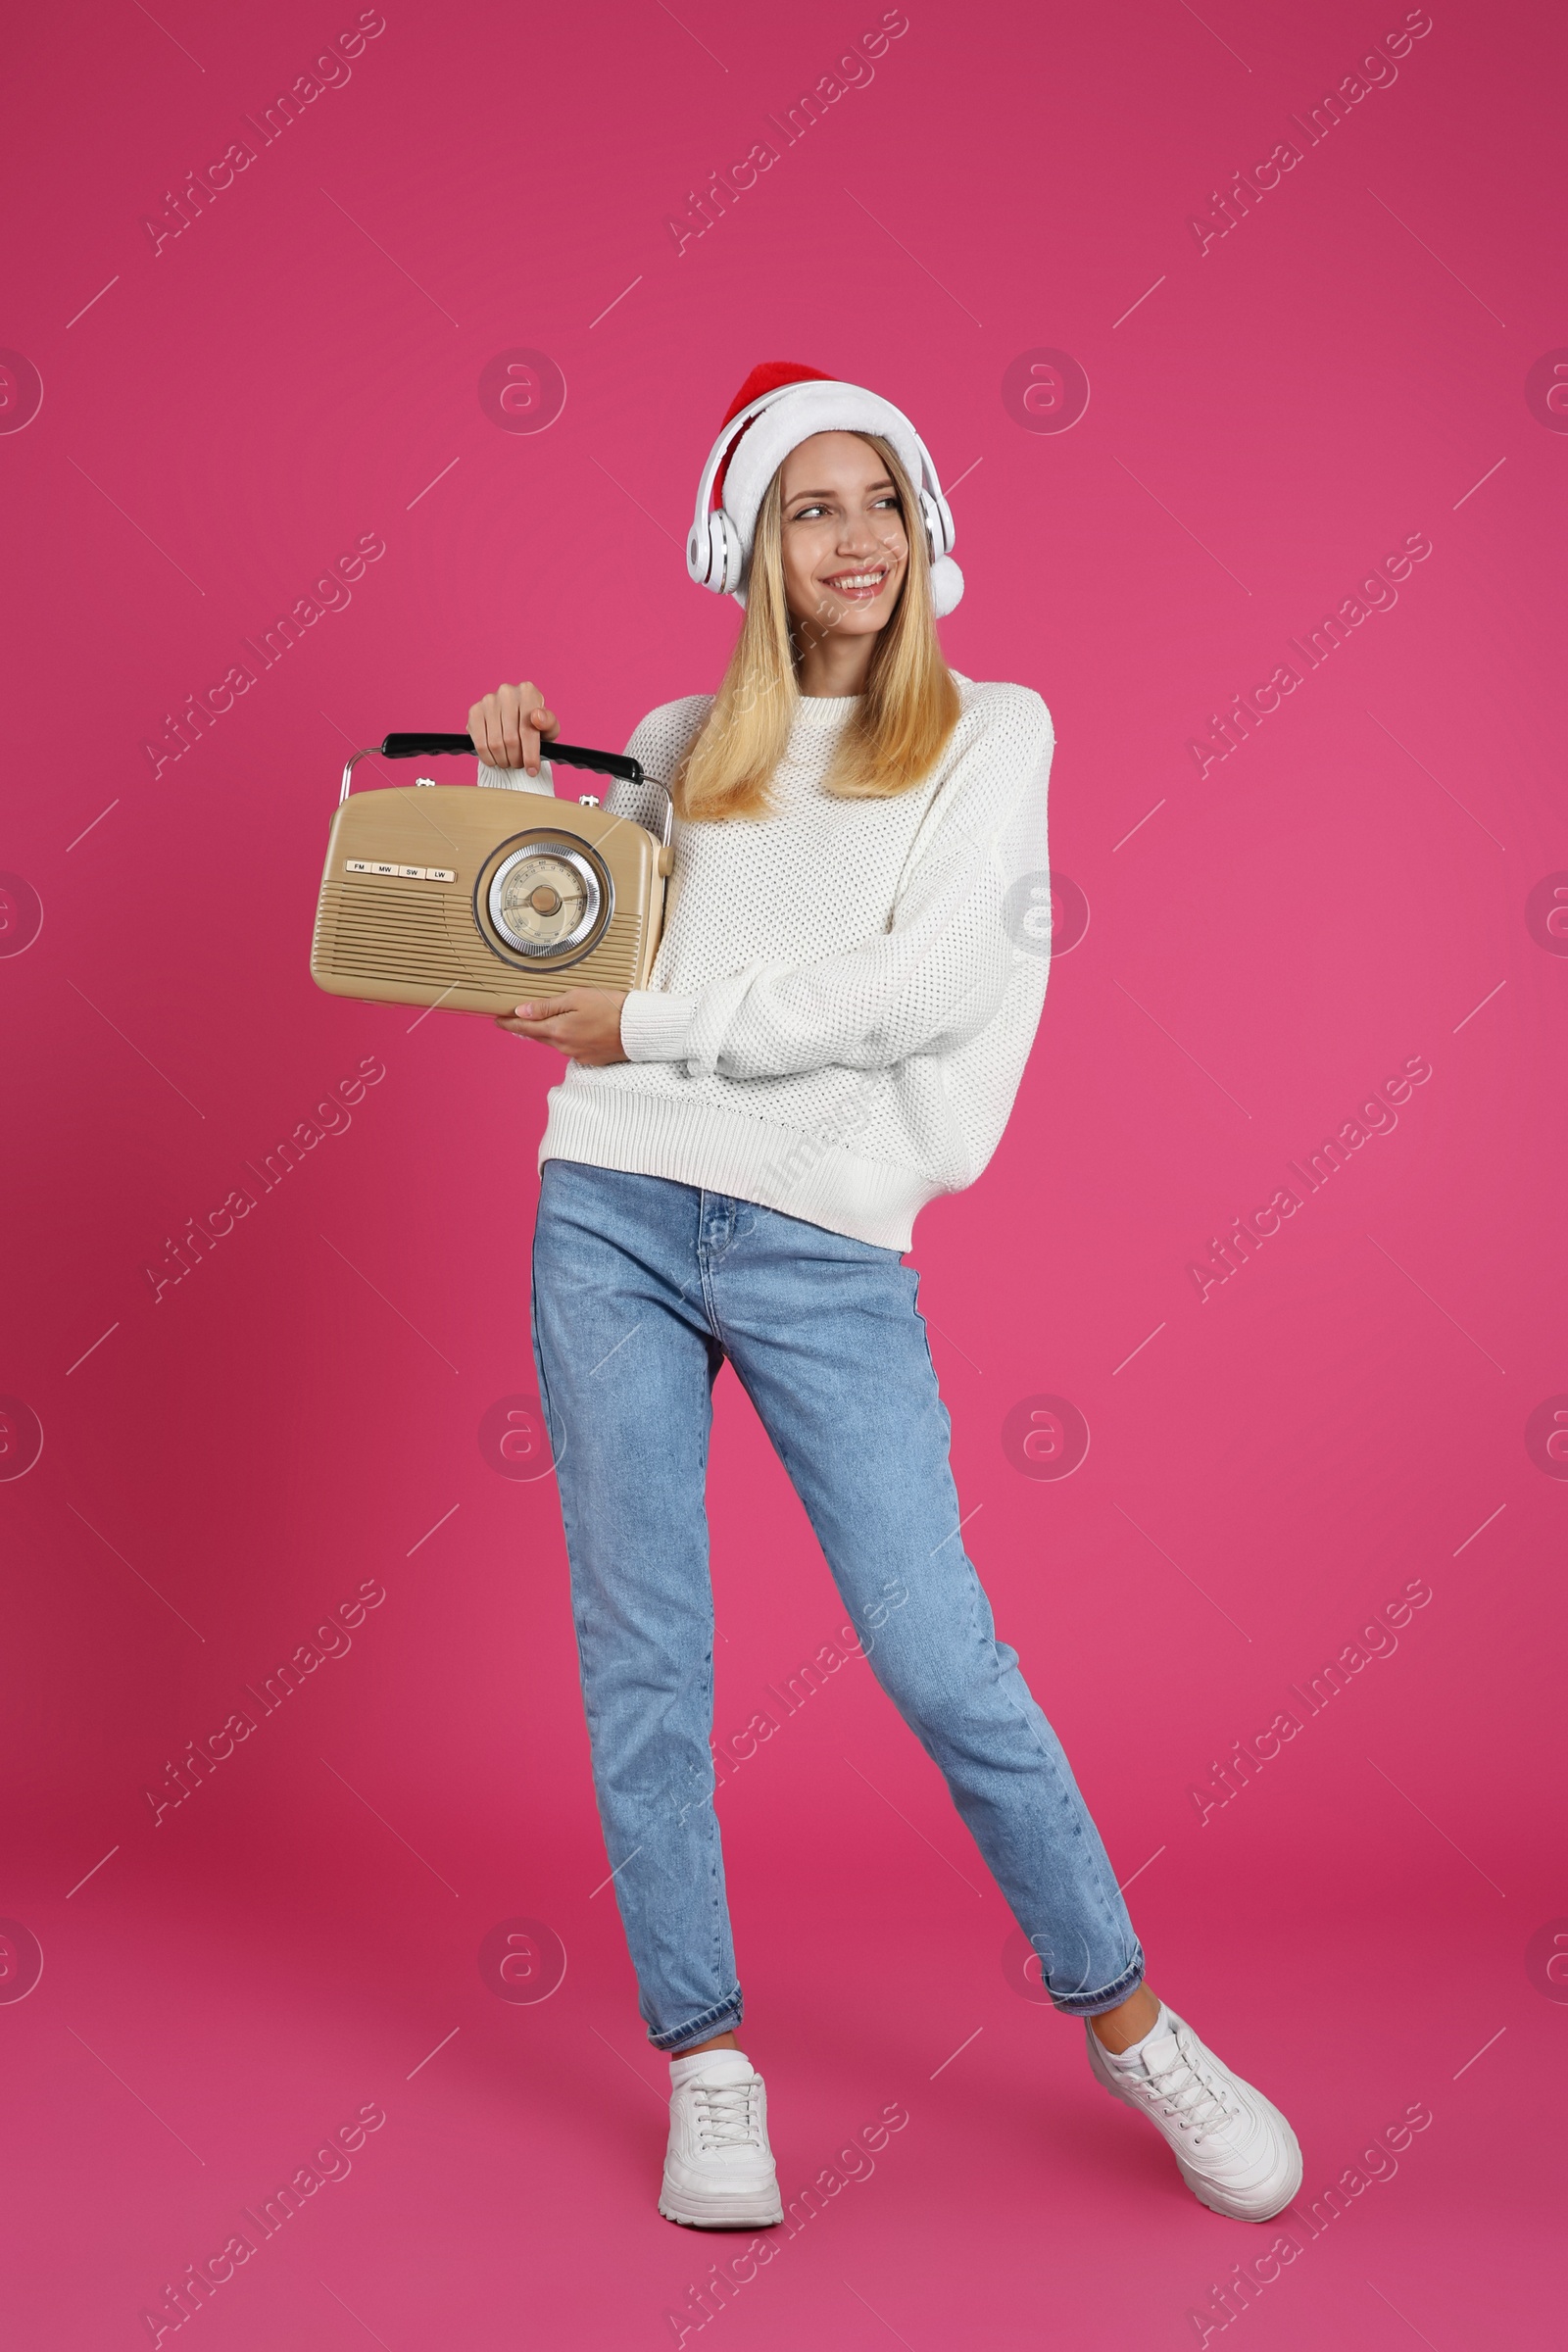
729,566
939,529
705,552
714,556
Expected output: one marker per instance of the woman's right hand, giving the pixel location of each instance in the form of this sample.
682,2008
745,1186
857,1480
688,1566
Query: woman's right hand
507,725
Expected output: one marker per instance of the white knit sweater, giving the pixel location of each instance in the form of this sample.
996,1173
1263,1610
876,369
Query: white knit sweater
845,990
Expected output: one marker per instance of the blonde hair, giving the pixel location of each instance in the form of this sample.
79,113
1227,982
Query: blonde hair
905,717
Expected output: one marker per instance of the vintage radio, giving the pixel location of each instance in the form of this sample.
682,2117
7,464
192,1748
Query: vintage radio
475,899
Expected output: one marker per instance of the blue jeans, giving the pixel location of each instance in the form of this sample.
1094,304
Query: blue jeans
641,1288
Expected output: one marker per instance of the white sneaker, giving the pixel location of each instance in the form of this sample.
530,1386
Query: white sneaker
718,2169
1236,2153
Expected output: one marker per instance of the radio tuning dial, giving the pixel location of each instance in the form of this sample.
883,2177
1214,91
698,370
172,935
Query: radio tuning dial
545,900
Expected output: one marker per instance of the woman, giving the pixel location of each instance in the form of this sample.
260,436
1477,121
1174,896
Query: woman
845,995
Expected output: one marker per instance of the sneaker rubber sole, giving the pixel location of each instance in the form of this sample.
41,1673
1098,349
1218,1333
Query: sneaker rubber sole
694,2209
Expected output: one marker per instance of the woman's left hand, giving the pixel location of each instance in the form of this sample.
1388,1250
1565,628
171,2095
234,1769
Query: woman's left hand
583,1023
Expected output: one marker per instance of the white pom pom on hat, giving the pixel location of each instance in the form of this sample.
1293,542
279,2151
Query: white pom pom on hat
947,586
814,404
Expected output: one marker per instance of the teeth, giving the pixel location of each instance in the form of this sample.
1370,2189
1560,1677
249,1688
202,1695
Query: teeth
858,579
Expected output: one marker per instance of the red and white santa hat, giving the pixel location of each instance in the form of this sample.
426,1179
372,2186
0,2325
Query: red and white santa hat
813,403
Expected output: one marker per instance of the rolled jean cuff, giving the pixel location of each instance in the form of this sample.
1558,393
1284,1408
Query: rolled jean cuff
1094,2004
723,2018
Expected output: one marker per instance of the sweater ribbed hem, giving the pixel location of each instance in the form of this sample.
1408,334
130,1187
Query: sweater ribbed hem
723,1150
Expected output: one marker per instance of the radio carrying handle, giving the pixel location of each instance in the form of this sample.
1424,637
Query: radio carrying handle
626,770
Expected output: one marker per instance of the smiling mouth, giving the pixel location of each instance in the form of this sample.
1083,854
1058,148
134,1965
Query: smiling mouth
859,587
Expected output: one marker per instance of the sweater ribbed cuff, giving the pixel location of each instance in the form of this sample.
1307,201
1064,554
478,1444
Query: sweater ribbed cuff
654,1026
518,779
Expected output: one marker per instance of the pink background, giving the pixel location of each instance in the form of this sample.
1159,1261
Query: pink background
1366,1926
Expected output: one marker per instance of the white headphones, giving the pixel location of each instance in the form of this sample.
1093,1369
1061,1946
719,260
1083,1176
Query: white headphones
714,556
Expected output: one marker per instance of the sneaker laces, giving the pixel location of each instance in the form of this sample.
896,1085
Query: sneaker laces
1196,2100
724,2116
